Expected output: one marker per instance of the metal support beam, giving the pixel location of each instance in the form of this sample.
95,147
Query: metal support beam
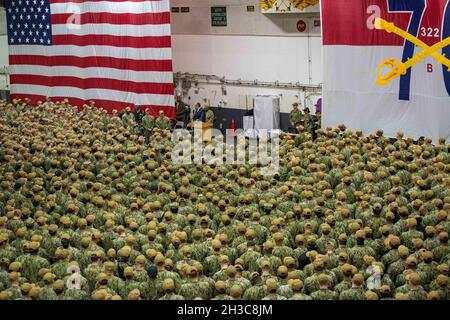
213,79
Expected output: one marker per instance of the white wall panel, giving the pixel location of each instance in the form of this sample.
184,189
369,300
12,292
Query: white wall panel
3,38
4,60
263,58
3,50
316,60
2,21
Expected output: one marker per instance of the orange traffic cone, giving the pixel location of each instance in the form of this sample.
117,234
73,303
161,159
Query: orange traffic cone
233,129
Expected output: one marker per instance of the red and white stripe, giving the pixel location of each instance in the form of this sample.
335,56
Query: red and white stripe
119,56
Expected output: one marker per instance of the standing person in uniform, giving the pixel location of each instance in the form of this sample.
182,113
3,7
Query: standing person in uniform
318,116
309,122
209,115
138,114
162,122
295,116
181,109
148,124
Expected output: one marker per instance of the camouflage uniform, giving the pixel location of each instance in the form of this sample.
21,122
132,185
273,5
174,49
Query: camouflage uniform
324,294
31,264
163,123
353,294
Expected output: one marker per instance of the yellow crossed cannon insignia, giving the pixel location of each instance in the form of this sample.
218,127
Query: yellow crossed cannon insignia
397,67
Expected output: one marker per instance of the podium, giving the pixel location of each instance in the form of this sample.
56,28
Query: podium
205,130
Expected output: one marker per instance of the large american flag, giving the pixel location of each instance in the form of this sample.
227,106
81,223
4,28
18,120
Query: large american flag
116,53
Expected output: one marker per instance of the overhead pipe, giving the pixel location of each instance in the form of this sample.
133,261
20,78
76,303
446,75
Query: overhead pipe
213,79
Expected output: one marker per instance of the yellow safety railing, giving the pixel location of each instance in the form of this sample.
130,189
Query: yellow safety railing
266,5
302,4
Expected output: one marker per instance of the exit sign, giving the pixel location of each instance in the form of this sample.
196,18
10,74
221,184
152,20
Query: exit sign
219,16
